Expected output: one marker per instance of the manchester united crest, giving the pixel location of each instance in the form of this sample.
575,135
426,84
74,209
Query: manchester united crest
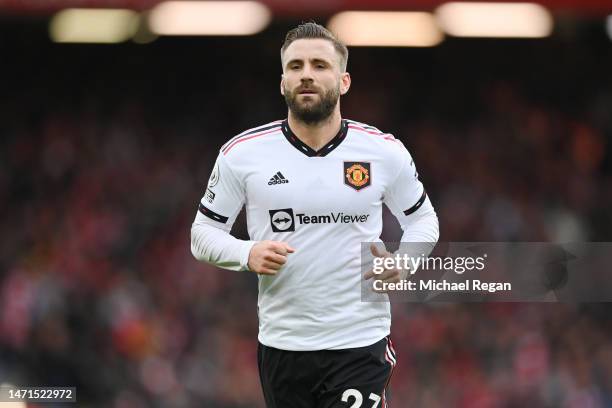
357,175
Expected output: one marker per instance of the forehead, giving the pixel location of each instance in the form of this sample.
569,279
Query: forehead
311,48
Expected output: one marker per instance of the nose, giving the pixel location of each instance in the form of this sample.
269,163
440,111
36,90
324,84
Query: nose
306,73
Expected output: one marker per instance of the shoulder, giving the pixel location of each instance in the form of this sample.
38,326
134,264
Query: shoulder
369,132
364,133
363,127
250,137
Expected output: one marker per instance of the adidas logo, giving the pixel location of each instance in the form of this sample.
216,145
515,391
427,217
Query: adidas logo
278,178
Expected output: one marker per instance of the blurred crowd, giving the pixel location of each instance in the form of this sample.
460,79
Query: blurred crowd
102,165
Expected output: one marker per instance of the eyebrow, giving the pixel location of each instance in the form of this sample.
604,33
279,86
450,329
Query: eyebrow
301,61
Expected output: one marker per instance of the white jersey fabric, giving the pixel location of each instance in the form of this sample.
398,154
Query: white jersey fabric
324,204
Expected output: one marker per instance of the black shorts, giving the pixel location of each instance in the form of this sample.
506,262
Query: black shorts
349,378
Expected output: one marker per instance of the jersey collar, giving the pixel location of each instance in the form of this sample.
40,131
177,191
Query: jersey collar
307,150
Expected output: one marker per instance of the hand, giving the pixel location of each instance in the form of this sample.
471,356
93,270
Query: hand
393,275
267,257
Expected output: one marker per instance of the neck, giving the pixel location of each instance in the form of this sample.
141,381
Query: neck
316,135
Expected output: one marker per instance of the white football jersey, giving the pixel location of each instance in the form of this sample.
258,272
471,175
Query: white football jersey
324,204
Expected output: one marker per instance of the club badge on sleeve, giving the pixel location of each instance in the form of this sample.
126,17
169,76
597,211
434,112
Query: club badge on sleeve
214,177
357,175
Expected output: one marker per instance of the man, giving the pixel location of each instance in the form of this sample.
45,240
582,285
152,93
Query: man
314,185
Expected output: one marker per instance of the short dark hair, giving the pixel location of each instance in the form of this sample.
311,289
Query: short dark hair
312,30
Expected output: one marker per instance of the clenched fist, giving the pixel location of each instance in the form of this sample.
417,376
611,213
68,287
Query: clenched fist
392,275
267,257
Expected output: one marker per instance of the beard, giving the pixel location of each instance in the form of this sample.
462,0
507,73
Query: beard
313,112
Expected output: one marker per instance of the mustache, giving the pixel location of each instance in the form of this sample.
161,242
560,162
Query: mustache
303,88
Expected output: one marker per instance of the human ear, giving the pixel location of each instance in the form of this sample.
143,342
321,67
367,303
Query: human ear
345,83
